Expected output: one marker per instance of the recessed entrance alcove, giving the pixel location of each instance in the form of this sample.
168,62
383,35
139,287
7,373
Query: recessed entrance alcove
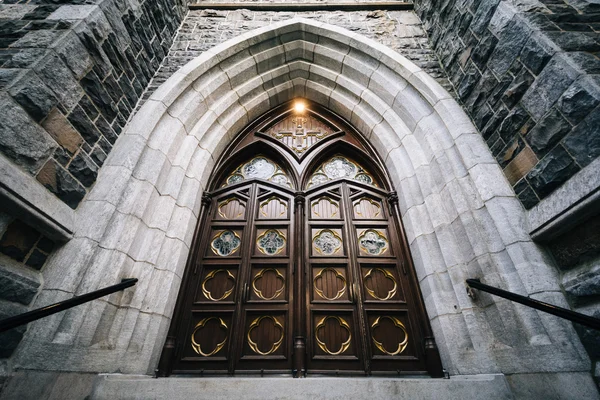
461,218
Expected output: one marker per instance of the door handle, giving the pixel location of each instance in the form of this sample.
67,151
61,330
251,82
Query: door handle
245,293
353,296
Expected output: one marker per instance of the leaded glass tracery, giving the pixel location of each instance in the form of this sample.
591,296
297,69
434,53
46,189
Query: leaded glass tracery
259,167
339,167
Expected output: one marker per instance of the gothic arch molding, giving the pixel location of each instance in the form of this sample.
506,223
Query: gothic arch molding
461,216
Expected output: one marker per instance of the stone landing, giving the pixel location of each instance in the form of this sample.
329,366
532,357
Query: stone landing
487,387
25,385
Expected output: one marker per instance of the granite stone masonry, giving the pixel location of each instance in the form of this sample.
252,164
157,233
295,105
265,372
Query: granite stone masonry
23,252
527,73
203,29
71,73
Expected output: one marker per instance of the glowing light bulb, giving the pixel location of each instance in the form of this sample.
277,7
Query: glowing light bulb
299,107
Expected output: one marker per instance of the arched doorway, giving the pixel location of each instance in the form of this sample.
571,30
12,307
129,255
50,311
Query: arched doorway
300,262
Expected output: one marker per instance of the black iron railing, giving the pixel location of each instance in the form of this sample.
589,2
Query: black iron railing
30,316
573,316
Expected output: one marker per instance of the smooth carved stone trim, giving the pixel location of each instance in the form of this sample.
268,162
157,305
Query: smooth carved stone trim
29,201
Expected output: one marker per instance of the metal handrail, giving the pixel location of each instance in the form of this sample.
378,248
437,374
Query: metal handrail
573,316
25,318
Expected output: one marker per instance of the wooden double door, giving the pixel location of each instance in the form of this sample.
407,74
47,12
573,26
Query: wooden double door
294,282
299,263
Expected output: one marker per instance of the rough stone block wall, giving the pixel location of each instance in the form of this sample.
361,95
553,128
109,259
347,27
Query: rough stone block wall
527,73
203,29
71,72
577,253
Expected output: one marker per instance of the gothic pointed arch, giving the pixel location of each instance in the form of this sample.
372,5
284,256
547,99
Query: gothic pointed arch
461,218
280,268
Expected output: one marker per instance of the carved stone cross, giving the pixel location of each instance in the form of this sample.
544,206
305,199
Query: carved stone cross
301,137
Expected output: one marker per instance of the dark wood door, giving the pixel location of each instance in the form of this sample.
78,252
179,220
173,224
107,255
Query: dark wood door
238,318
299,263
360,317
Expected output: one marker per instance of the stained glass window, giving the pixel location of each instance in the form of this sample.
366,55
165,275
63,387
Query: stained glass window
339,167
259,167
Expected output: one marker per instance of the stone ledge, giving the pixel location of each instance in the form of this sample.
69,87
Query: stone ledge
28,200
572,203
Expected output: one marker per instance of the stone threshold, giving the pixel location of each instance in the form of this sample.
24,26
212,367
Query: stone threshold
489,387
299,7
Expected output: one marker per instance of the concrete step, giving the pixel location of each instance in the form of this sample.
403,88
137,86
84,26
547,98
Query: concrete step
487,387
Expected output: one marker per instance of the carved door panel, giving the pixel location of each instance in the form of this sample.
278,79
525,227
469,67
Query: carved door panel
238,318
360,317
333,322
298,263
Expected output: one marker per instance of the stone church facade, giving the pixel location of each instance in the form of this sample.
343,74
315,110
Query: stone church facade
484,113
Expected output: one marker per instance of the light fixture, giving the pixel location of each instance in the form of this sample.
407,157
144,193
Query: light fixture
299,106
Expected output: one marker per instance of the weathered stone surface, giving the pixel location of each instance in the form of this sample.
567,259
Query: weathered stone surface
24,58
520,165
62,131
587,62
549,86
56,179
17,284
84,169
31,93
584,140
21,139
512,123
552,171
7,76
97,92
580,99
536,53
84,125
38,39
584,281
468,387
74,54
9,340
574,41
528,197
552,128
517,88
98,155
58,77
509,46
